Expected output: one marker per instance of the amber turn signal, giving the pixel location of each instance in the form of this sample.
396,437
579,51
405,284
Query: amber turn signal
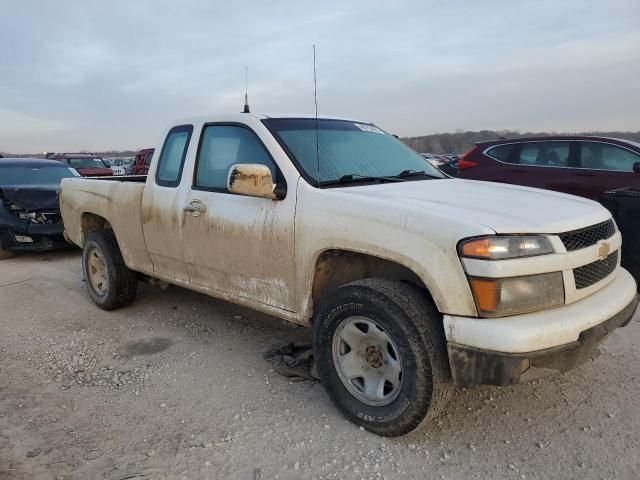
476,248
485,292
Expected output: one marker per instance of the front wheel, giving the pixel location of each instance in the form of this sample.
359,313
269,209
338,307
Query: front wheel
110,283
381,354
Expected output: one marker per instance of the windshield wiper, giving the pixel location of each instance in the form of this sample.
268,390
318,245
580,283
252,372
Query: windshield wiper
414,173
355,177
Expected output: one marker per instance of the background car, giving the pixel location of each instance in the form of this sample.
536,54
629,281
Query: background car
87,164
624,204
118,165
30,217
142,162
447,163
580,165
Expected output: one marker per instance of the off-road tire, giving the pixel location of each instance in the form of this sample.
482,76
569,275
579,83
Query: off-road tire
122,282
414,324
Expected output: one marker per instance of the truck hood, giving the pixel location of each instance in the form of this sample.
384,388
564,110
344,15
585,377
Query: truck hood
31,197
501,207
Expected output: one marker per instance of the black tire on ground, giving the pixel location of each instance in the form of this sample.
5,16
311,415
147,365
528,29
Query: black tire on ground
410,319
122,284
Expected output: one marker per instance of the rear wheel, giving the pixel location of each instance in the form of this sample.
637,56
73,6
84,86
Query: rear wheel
110,283
381,354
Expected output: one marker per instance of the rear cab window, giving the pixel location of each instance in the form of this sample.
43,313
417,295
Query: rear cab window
171,160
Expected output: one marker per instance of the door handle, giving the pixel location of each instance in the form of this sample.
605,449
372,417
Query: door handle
195,208
578,174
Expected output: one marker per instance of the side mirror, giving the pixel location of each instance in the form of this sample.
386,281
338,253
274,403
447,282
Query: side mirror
251,180
636,167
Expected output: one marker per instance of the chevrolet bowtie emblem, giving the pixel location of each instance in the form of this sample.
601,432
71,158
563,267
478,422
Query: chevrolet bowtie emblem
603,250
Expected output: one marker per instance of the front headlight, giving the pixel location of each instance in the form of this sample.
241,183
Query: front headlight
497,297
502,248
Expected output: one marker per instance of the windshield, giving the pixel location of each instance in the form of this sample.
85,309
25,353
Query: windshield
87,162
345,148
34,175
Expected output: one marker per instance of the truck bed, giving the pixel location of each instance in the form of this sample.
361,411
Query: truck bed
86,203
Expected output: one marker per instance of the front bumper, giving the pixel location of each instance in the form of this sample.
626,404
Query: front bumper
44,236
475,366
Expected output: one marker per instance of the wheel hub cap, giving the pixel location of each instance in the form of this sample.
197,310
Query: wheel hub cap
373,356
367,361
98,275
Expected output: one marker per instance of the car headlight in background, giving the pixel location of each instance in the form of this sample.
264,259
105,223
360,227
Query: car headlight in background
502,248
497,297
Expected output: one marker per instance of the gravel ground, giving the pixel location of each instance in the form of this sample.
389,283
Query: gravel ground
175,386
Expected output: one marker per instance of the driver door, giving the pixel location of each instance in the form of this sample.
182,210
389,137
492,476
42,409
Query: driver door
239,245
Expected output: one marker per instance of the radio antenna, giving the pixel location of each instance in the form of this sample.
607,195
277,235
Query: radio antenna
246,90
315,99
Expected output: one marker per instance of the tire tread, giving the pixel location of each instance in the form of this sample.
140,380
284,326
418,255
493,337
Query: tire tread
126,280
421,311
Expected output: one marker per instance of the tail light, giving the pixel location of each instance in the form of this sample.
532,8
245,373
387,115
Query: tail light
465,163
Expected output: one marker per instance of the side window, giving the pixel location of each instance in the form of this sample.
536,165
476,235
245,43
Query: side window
546,154
171,159
223,146
604,156
147,161
502,152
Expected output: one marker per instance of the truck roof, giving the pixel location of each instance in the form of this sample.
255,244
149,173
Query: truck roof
230,117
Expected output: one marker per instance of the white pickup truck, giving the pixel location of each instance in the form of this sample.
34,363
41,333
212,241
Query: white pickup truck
411,281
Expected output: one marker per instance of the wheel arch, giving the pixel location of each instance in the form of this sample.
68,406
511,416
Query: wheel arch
89,222
338,266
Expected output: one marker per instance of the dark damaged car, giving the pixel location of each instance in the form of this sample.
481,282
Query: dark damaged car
29,209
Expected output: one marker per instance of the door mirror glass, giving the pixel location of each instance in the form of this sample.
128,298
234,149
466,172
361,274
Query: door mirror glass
636,167
251,180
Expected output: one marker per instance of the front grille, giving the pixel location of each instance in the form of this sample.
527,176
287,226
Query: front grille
591,273
585,237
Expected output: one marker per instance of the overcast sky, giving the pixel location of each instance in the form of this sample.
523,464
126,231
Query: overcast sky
112,74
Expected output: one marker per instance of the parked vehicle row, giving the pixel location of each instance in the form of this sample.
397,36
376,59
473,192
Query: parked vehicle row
447,163
86,164
120,166
30,217
412,281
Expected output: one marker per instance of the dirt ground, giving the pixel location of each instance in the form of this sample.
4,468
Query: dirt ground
175,386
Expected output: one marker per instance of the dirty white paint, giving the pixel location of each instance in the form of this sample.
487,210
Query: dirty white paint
262,253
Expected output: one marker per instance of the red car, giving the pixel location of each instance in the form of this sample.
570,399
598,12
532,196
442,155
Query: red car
142,162
580,165
86,164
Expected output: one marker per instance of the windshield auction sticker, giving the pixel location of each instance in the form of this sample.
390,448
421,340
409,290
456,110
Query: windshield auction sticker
368,128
